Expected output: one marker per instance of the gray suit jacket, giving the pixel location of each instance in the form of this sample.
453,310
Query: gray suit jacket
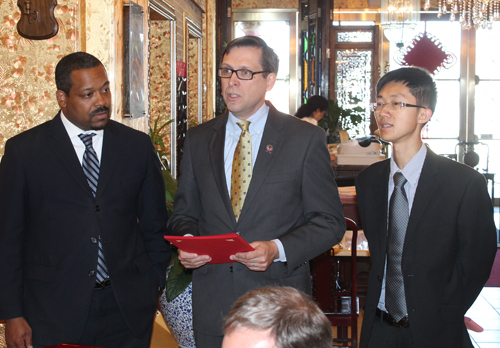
448,251
292,196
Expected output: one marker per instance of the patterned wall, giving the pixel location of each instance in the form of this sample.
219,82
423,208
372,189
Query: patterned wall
265,3
192,73
160,75
27,86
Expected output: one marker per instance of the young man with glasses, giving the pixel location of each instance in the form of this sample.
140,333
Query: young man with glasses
292,211
429,224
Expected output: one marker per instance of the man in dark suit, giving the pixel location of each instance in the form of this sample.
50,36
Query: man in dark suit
81,248
292,211
430,263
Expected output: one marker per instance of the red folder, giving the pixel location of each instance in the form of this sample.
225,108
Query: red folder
218,247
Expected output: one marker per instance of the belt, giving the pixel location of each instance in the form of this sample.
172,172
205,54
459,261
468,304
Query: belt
103,285
391,321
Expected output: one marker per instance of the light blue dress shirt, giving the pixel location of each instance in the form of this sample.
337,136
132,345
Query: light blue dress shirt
233,132
411,172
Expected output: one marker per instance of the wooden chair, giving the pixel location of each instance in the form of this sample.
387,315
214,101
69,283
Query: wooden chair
334,289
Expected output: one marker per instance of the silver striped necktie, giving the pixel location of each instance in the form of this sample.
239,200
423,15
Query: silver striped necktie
90,166
395,300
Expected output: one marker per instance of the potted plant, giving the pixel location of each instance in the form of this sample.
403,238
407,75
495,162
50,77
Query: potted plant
176,298
339,118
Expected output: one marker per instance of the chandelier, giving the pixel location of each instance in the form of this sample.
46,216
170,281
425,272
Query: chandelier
472,13
399,19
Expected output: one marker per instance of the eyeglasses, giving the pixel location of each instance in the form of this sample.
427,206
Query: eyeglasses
242,74
393,106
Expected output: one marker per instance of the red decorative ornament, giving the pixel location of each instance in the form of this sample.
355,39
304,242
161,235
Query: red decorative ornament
426,51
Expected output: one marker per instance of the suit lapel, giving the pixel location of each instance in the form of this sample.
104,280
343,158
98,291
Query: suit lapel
216,152
381,197
110,150
61,144
265,159
427,185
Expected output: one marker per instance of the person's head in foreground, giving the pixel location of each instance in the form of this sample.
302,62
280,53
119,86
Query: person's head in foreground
276,317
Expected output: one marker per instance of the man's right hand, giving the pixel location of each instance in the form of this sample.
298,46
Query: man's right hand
191,261
17,333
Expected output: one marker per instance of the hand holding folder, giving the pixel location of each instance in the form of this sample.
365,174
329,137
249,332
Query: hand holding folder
218,247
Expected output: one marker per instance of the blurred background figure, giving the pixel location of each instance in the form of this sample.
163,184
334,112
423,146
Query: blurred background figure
276,317
314,110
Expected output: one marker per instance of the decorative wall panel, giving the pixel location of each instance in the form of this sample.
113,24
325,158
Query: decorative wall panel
27,85
160,77
345,4
193,97
265,3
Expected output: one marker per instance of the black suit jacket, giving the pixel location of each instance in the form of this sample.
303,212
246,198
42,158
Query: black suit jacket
49,218
448,251
292,196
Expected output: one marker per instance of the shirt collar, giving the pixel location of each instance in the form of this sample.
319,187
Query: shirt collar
413,168
74,131
258,121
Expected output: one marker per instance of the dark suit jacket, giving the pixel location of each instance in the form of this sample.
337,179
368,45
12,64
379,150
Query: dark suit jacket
292,196
48,219
448,252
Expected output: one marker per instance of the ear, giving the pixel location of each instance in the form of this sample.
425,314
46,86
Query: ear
270,79
61,98
424,115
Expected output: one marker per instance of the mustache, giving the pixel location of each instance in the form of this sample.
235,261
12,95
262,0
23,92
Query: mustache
99,110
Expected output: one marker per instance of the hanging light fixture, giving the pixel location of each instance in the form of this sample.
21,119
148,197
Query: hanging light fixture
472,13
399,19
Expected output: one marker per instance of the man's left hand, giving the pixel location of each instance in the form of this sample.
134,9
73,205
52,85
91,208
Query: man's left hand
259,259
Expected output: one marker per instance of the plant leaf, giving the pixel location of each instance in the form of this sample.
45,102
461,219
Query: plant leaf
178,279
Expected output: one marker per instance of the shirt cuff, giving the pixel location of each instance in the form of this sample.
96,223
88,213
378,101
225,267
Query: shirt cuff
282,256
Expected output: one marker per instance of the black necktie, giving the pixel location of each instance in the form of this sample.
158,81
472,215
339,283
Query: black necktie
90,166
395,300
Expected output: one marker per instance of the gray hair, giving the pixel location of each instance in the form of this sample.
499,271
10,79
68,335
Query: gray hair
292,317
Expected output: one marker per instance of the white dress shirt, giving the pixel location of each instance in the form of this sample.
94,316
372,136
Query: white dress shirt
74,131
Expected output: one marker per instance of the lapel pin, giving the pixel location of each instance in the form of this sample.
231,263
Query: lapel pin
269,149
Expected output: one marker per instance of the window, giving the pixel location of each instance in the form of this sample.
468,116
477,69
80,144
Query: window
476,127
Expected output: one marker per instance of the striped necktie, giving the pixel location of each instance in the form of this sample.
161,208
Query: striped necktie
90,166
395,300
242,169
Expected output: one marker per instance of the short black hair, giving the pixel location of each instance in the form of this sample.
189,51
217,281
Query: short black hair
418,80
269,59
70,63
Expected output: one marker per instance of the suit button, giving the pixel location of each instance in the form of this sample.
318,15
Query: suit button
97,208
93,240
91,273
379,278
231,269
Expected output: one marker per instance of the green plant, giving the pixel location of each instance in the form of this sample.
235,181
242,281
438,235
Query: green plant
179,278
339,118
156,134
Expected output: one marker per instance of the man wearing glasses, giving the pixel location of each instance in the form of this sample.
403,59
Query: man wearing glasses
281,197
429,224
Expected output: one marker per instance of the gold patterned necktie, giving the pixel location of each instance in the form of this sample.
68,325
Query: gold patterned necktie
241,173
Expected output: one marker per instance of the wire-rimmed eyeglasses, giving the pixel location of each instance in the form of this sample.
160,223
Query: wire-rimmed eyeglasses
392,106
242,74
